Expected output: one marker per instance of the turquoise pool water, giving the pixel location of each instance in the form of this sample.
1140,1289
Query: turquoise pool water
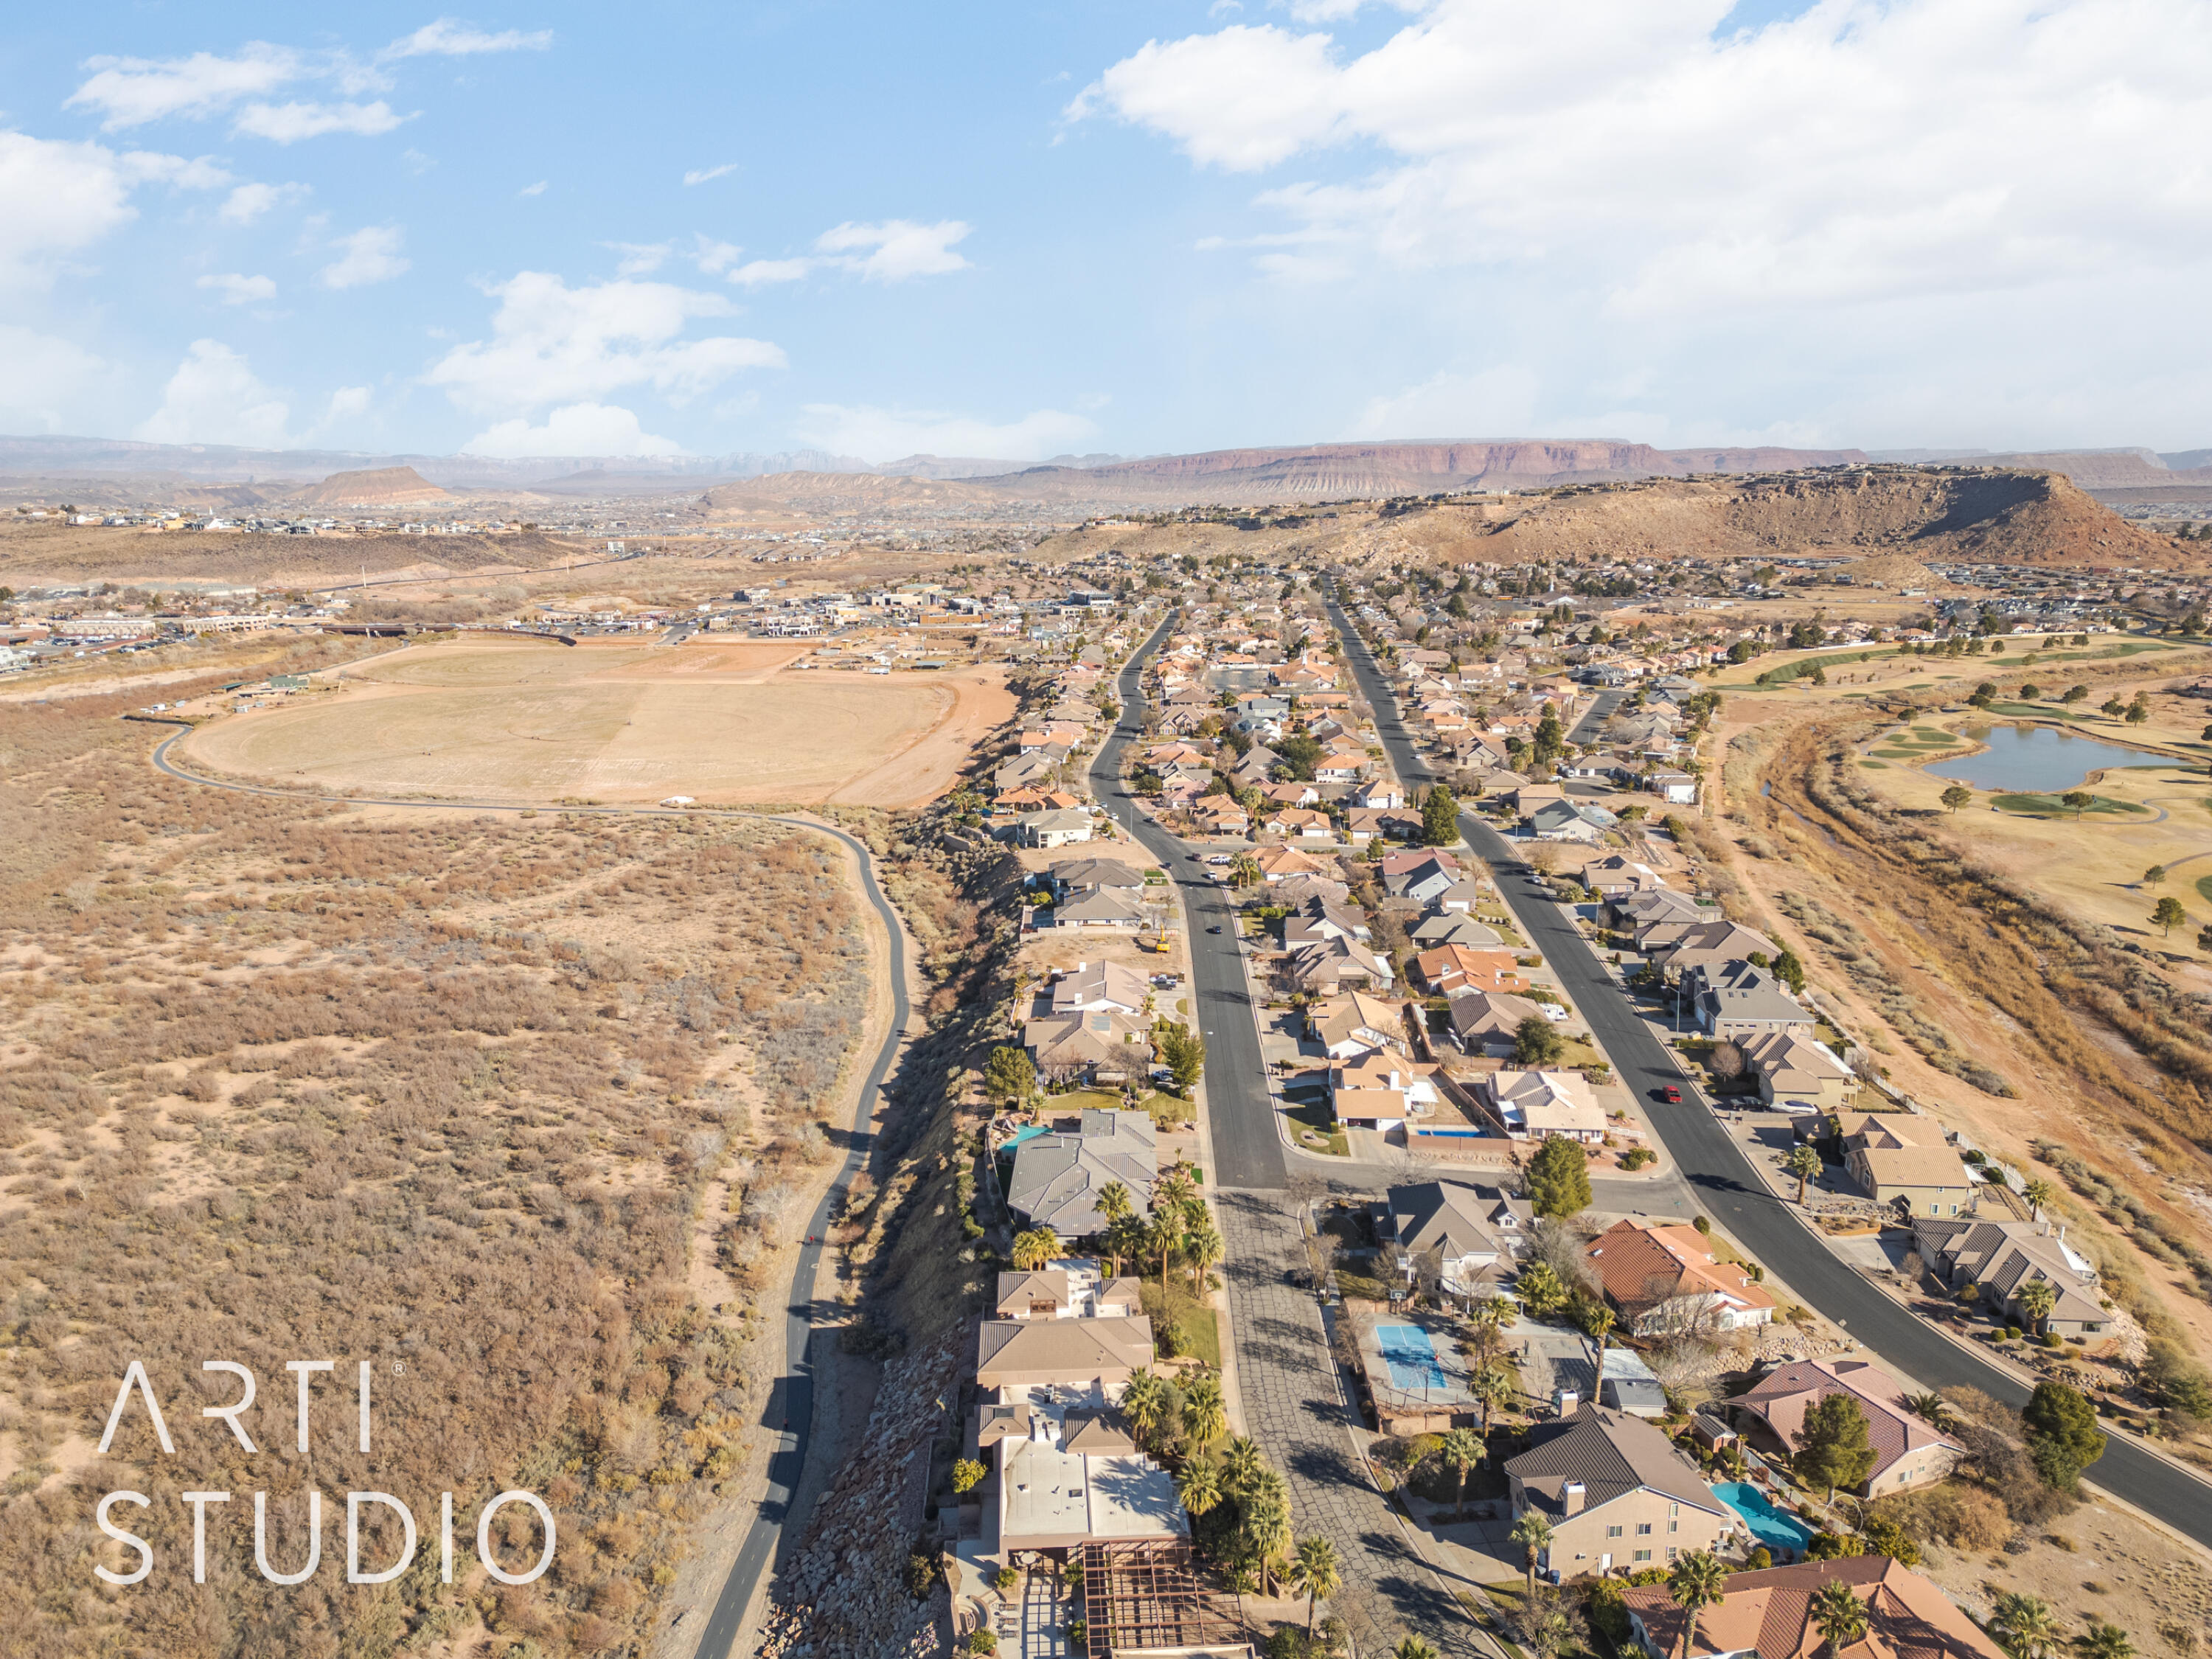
1774,1527
2035,760
1411,1356
1029,1133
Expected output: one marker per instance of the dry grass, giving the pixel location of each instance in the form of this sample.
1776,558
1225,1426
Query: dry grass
279,1081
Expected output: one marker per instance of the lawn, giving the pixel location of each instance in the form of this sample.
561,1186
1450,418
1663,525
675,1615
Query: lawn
1198,1324
2052,806
1317,1129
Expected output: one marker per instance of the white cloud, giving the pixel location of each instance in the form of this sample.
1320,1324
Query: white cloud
754,273
237,290
715,257
574,429
1496,403
214,398
1867,151
555,344
701,175
447,38
538,189
640,258
348,403
44,389
371,254
287,123
59,197
249,202
897,249
884,435
130,91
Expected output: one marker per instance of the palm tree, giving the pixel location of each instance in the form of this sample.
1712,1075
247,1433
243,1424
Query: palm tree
1144,1402
1598,1321
1114,1204
1533,1533
1804,1163
1840,1616
1198,1486
1492,1387
1698,1581
2038,1193
1485,1324
2107,1641
1314,1571
1933,1410
1204,1417
1203,1247
1461,1451
2037,1298
1414,1648
1033,1248
1242,1464
1267,1521
2026,1626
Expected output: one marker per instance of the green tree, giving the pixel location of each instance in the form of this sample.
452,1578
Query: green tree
2037,1298
1696,1581
1804,1163
1198,1487
1541,1290
1461,1451
2024,1625
2063,1436
1790,971
1839,1615
1033,1248
2038,1193
1956,796
1011,1076
2204,937
1314,1571
1299,754
2156,875
1145,1403
1184,1052
1558,1178
1533,1533
2107,1641
2079,800
2075,693
1202,1246
1245,871
1491,1388
1536,1041
1550,738
1412,1648
1832,1447
1985,695
2169,914
1205,1419
1440,817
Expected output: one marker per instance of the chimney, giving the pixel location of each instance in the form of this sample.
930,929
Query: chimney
1571,1497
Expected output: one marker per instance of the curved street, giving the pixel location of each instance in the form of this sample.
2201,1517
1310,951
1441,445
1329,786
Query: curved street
1722,1177
790,1411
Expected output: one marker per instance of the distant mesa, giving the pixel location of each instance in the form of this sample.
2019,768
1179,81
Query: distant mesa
383,486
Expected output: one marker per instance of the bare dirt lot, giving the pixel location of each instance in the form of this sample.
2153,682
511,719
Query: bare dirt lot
499,720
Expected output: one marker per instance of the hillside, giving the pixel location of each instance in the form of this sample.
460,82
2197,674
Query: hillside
383,486
1981,515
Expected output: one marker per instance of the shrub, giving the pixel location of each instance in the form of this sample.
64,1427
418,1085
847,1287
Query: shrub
985,1640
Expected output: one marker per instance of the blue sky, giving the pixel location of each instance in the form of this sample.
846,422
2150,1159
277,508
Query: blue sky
1126,227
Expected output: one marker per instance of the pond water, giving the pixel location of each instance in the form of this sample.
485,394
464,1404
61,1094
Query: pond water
2036,760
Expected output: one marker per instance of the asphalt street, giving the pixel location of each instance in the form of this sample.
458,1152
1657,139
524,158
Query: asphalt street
1722,1177
791,1398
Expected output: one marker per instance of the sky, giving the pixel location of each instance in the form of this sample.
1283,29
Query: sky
1108,225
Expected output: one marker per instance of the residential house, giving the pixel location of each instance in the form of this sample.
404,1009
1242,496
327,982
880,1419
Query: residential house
1769,1615
1618,876
1057,1176
1330,965
1454,928
1675,788
1462,896
1904,1159
1291,794
1380,793
1710,944
1625,1383
1658,919
1471,1233
1673,1280
1568,820
1738,1002
1071,1289
1220,814
1102,1045
1796,1074
1999,1258
1617,1494
1418,875
1452,970
1279,863
1534,1105
1356,1024
1908,1451
1100,908
1063,827
1488,1021
1071,876
1091,986
1380,1091
1321,919
1302,823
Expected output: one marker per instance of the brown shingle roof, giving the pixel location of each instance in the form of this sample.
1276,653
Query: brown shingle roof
1610,1454
1771,1612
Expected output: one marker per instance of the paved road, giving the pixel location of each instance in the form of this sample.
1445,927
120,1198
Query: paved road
1247,1152
1593,722
791,1399
1727,1186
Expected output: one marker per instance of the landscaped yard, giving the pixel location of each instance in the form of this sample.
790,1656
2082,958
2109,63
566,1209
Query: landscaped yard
1317,1130
1197,1325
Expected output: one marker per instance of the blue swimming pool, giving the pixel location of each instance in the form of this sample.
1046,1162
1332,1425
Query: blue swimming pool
1027,1132
1776,1528
1411,1356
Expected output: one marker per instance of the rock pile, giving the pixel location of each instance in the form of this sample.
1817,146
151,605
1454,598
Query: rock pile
843,1595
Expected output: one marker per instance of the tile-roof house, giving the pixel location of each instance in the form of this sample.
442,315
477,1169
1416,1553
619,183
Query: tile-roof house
1769,1615
1488,1021
1671,1279
1999,1257
1090,875
1356,1024
1101,1045
1618,1495
1710,944
1904,1158
1057,1177
1089,987
1061,827
1740,1001
1475,1231
1796,1074
1454,928
1908,1450
1098,908
1537,1105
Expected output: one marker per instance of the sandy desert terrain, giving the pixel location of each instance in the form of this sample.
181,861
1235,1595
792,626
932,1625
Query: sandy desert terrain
729,723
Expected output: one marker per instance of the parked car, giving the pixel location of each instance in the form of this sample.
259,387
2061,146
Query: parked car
1669,1093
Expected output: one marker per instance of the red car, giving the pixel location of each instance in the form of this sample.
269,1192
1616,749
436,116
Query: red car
1669,1093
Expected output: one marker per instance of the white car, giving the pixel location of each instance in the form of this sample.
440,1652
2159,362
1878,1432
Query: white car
1556,1012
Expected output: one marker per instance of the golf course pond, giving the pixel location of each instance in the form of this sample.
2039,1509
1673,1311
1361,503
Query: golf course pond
2036,759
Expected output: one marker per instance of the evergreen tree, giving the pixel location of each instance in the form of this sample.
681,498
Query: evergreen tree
1558,1178
1440,817
1832,1447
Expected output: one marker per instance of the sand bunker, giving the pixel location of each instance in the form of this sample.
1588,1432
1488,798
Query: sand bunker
522,721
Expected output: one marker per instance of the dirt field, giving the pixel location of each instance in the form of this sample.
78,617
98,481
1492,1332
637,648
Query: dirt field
488,718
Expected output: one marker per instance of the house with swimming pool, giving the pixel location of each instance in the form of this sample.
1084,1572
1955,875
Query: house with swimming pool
1908,1451
1618,1495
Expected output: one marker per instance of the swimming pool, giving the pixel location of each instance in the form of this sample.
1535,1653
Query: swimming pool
1027,1132
1411,1356
1776,1528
